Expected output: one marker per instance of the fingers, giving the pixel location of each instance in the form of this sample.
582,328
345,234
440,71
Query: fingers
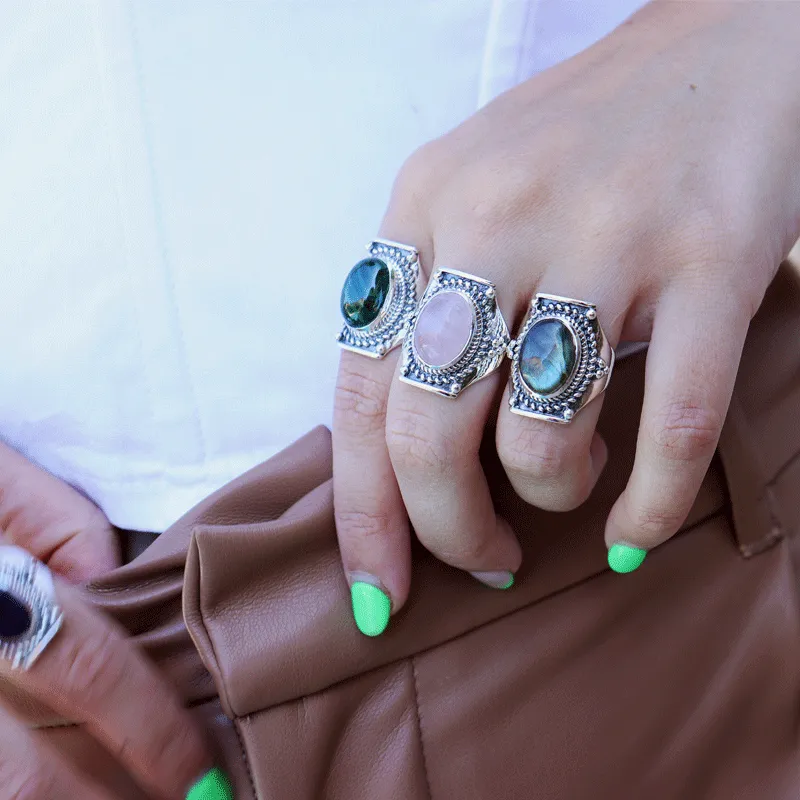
554,467
550,465
371,522
87,551
29,770
434,443
53,521
694,354
92,673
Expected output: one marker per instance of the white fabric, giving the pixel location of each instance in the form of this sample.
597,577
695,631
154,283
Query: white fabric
183,186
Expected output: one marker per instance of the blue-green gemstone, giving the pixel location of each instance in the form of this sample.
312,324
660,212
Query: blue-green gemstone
364,292
547,356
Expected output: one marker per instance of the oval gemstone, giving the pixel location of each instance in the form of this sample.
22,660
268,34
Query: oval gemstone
365,290
15,618
444,329
547,356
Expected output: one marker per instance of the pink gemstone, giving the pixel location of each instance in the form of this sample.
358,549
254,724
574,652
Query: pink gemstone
443,329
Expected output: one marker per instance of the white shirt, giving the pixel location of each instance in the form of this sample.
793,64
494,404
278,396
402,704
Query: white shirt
184,185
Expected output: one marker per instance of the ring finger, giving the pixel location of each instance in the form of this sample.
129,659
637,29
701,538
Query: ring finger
555,466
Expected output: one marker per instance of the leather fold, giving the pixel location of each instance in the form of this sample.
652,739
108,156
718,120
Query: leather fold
678,680
269,598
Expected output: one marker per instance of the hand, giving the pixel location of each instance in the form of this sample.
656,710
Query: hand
53,522
654,176
91,673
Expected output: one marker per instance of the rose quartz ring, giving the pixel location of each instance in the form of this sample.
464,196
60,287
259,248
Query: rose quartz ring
457,335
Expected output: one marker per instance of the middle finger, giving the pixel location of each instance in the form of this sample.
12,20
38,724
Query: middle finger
434,440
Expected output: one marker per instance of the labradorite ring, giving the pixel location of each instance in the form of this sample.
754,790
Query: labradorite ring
29,615
457,335
561,360
379,296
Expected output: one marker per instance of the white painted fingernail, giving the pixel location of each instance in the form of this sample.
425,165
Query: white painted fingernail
501,579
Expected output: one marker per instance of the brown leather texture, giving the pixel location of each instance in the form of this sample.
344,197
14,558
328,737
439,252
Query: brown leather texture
676,682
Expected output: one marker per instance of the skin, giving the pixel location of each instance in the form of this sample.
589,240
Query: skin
53,522
649,175
652,175
91,670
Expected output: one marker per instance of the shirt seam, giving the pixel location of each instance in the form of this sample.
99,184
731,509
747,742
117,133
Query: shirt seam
158,214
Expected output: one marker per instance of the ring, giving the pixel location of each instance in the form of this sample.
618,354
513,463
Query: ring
457,335
379,297
29,615
561,359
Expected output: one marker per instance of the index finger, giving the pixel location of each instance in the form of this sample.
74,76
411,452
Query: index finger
92,673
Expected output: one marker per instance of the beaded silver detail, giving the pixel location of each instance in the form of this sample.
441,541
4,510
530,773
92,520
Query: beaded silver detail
29,582
484,352
387,330
594,361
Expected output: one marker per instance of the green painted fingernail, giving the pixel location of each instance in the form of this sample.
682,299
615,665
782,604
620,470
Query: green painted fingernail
624,558
371,608
214,785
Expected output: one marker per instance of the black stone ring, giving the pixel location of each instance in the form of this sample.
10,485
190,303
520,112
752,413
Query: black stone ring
379,297
29,615
561,359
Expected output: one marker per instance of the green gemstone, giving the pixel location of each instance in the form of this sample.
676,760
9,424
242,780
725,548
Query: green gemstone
364,292
547,357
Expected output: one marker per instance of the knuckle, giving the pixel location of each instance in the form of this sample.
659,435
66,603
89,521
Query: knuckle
707,238
414,441
536,454
654,522
492,203
418,172
475,550
467,552
93,669
170,751
566,498
683,430
360,400
362,524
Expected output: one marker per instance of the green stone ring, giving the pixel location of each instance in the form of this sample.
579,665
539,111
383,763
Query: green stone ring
379,297
561,359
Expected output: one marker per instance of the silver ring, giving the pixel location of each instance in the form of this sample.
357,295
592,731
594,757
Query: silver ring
457,335
29,615
561,360
379,296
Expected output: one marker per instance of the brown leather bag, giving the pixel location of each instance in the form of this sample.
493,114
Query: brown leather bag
677,682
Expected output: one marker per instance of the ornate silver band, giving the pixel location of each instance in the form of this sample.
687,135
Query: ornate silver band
561,360
29,615
379,297
456,337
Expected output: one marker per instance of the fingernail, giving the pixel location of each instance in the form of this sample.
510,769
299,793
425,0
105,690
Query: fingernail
501,579
371,608
214,785
624,557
